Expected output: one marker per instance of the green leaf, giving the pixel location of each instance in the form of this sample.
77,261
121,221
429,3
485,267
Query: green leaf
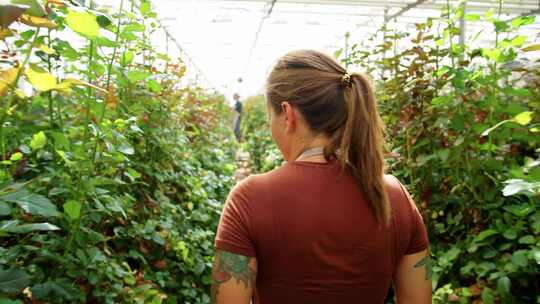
73,209
31,203
472,17
83,23
135,76
25,228
40,78
519,41
103,20
528,239
521,92
127,58
485,234
38,141
60,141
103,41
16,156
523,20
13,280
35,8
132,174
62,288
519,258
154,86
510,234
503,285
536,255
519,210
4,209
146,8
523,118
487,296
4,300
500,26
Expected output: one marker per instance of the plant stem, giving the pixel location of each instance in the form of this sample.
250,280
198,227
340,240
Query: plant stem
49,93
115,49
4,113
450,29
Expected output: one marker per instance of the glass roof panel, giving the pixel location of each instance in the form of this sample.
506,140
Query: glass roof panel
224,40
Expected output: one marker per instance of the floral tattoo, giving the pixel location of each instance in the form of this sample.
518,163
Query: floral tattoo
229,265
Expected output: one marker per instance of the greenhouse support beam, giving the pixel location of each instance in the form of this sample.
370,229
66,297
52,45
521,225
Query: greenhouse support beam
462,24
406,8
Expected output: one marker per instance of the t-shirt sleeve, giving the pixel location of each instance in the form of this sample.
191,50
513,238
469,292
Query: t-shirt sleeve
234,233
418,237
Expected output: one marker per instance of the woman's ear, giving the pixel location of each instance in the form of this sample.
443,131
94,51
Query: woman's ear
290,116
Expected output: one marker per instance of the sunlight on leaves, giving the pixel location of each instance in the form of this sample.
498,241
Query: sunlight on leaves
73,209
524,118
531,48
4,33
37,21
40,79
7,78
83,23
38,141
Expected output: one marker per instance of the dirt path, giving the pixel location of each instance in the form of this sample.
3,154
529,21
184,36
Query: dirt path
243,171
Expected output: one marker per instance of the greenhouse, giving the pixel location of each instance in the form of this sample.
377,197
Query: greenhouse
270,151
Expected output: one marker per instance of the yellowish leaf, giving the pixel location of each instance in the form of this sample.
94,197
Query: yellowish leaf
37,21
7,78
4,33
58,3
45,49
111,99
11,110
524,118
530,48
20,93
67,83
83,23
40,79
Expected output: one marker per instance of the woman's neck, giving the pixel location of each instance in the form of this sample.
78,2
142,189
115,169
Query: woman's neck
303,146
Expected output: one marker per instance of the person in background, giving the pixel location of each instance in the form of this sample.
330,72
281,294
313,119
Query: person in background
238,118
327,227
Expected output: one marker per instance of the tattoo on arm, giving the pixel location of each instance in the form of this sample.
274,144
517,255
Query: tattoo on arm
229,265
425,262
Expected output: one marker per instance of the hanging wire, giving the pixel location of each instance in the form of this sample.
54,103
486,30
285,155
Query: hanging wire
256,39
198,72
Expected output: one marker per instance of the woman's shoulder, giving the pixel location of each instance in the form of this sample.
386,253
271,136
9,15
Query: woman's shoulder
255,184
399,197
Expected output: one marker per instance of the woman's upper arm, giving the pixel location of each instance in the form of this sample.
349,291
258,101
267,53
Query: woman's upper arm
233,278
413,279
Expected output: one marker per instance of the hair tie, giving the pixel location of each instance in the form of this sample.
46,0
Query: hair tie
346,80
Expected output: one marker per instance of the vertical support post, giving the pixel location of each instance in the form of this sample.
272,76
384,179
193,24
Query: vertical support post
462,24
347,36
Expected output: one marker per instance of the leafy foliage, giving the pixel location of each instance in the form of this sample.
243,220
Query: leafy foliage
463,128
112,178
258,142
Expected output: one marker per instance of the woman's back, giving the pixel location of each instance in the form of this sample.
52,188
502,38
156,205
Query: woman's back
315,237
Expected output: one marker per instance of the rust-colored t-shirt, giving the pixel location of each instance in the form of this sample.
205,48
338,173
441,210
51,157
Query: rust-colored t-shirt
315,237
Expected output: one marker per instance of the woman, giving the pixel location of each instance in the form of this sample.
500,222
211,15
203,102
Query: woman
328,226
